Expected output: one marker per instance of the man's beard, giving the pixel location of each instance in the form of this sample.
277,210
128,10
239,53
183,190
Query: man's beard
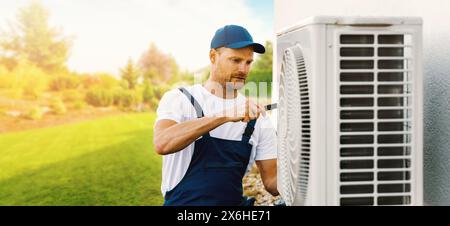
234,85
237,81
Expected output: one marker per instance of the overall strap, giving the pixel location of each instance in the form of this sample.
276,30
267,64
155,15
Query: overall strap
195,104
248,131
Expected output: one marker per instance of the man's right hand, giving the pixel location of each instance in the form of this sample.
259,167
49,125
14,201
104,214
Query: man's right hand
170,136
244,112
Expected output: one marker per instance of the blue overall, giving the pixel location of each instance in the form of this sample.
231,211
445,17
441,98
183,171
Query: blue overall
214,176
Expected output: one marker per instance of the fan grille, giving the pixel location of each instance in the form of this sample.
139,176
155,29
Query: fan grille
294,127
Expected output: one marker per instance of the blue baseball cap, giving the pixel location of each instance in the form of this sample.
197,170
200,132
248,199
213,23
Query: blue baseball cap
235,37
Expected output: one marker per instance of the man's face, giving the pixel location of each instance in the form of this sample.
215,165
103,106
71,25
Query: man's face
231,66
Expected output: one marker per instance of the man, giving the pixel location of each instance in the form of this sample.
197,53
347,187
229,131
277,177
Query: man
210,135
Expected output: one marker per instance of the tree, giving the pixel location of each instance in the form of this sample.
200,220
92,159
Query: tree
264,62
261,72
130,74
262,68
31,39
157,66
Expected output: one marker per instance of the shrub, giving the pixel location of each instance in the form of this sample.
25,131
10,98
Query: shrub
24,79
11,93
146,108
99,97
64,81
79,105
35,113
127,99
72,95
261,78
138,95
107,81
159,91
89,81
123,84
154,103
150,91
147,93
116,96
6,80
35,85
30,79
99,80
58,106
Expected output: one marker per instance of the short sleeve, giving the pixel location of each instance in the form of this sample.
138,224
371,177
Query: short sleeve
266,147
170,106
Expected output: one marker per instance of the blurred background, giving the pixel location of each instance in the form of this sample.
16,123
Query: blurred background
79,85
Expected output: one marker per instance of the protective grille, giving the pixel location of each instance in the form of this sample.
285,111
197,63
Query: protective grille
375,120
306,123
294,127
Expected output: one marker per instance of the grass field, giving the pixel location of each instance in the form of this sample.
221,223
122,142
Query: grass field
108,161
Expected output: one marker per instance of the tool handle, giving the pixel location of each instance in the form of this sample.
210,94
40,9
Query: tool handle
270,107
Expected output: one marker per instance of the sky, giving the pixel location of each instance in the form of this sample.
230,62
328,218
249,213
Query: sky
106,33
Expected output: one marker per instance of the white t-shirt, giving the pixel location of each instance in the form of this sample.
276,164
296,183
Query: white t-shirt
175,106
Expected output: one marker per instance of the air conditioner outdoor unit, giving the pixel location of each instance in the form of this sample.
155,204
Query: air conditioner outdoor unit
349,118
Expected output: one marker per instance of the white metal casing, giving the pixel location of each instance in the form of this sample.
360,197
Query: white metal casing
319,40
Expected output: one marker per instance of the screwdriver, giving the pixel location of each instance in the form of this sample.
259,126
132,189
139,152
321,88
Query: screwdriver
270,107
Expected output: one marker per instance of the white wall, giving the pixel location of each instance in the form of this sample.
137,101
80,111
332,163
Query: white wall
436,17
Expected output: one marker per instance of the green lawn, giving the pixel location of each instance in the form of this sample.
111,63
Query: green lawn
108,161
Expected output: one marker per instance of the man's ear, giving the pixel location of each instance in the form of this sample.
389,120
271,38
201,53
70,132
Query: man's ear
212,55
